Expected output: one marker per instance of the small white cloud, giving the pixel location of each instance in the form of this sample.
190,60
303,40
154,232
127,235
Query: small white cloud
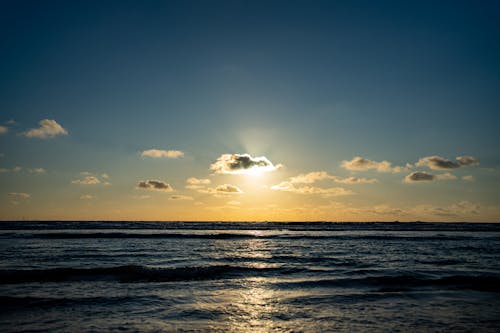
156,185
49,128
86,197
159,153
105,176
446,176
233,203
3,130
359,163
242,164
197,181
37,170
310,177
180,197
468,178
88,180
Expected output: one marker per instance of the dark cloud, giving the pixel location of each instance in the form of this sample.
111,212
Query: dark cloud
241,163
419,176
157,185
441,163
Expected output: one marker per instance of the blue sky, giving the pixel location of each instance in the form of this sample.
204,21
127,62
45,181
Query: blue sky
305,84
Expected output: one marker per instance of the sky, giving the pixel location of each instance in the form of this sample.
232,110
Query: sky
250,110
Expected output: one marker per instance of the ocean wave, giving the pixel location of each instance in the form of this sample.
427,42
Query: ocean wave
136,273
398,283
26,303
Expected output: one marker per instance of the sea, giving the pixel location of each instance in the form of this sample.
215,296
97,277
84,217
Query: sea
249,277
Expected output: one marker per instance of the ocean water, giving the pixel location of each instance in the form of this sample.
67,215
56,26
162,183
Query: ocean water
249,277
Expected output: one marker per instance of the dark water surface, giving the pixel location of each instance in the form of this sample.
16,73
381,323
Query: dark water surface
249,277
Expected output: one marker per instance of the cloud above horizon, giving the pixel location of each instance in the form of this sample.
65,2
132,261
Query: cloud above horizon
197,181
287,186
14,169
88,180
221,190
159,153
242,164
155,185
440,163
359,163
49,128
312,177
19,195
422,176
180,197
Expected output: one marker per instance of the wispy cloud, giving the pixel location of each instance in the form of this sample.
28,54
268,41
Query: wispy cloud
159,153
292,187
92,179
195,187
440,163
14,169
86,197
37,170
242,164
359,163
3,130
180,197
197,181
156,185
88,180
224,189
468,178
19,169
228,188
19,195
315,176
49,128
459,209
